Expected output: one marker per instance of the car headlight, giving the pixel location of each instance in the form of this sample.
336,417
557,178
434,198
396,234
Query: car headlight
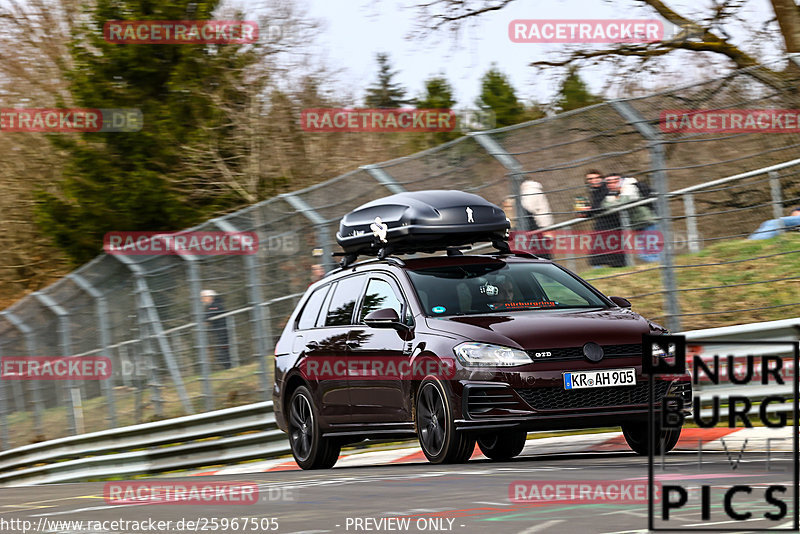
486,355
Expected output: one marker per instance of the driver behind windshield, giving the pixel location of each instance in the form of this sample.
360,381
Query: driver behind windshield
505,289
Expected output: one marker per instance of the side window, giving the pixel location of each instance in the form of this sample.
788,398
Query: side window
308,317
343,303
380,294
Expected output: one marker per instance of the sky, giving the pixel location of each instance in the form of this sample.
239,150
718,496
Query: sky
353,31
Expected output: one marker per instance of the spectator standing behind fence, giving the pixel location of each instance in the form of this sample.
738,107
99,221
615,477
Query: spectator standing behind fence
593,210
774,227
536,209
640,218
508,209
317,272
217,329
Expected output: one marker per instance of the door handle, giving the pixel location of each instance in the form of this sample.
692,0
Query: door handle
312,345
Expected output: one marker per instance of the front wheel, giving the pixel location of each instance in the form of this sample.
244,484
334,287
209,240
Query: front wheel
636,436
440,441
309,448
502,445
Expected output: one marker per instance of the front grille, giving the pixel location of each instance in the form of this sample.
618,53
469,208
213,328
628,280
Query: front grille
483,400
576,353
555,398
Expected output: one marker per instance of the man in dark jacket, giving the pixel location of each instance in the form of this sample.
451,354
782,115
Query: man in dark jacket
597,193
217,329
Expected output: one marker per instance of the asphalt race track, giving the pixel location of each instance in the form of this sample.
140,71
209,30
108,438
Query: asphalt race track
472,497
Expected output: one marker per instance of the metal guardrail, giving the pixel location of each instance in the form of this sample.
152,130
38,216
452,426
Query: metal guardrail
713,339
212,438
236,434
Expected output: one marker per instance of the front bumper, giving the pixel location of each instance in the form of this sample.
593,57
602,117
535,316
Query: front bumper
487,405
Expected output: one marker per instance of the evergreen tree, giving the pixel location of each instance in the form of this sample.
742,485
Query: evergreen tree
574,93
438,94
123,181
498,95
385,92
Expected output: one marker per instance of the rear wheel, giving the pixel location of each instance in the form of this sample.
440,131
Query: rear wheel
309,448
502,445
440,441
636,436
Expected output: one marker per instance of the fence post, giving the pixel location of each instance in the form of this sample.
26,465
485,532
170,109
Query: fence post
101,311
658,164
148,356
148,313
5,443
74,407
384,178
230,327
262,331
320,226
30,349
775,193
17,393
625,223
200,333
515,168
692,236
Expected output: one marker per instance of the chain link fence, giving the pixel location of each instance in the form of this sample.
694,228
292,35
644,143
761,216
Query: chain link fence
170,357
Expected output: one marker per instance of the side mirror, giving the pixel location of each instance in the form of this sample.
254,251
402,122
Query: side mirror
621,302
384,318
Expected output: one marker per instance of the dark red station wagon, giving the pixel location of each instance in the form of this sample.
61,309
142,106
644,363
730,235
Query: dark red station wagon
458,348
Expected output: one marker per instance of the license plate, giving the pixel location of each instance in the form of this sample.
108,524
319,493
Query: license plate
599,379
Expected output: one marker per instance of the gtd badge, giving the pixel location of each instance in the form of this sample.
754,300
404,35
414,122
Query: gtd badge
542,354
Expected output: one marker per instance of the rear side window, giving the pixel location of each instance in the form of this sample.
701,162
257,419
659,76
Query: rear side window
308,317
343,302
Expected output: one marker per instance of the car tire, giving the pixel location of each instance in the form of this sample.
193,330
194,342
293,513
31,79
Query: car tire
309,448
440,441
636,436
502,445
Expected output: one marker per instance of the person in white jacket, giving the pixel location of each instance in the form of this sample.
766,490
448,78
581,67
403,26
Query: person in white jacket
535,210
535,204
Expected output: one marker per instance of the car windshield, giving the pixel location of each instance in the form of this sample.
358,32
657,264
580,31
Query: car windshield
498,286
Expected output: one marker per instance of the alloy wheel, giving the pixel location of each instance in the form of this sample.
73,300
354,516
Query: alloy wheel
431,419
301,422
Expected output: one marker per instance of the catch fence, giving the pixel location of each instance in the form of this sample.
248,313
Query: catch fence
711,190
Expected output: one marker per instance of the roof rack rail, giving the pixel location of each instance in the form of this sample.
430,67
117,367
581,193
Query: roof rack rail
391,259
527,255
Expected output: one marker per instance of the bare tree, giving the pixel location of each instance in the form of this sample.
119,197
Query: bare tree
35,37
703,32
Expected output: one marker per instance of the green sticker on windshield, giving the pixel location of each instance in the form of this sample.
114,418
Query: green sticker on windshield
438,309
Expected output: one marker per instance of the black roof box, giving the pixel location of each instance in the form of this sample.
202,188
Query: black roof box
422,221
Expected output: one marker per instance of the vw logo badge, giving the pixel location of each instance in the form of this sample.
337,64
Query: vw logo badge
593,351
